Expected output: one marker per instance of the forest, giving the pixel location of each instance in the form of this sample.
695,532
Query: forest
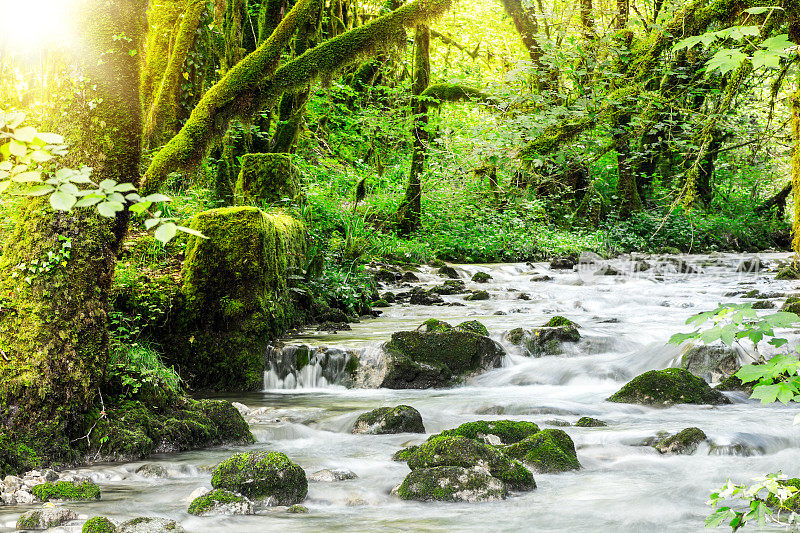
378,265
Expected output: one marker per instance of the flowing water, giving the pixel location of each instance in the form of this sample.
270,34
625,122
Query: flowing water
625,322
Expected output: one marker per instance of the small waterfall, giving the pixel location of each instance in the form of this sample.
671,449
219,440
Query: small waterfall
303,367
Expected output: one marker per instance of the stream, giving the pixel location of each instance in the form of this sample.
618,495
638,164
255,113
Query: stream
625,322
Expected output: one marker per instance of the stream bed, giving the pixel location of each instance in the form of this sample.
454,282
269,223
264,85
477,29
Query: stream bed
625,322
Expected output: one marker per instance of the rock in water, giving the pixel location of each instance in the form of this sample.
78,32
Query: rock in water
148,524
469,453
269,476
221,502
422,360
326,475
508,431
684,443
481,277
711,363
662,388
452,484
563,263
99,524
390,420
547,339
550,450
45,518
66,490
589,422
448,272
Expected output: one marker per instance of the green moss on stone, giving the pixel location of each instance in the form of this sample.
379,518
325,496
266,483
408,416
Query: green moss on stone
451,484
473,326
404,454
99,524
509,431
297,509
266,178
550,450
589,422
66,490
481,277
684,442
390,420
477,296
558,321
208,502
262,475
668,387
791,505
788,272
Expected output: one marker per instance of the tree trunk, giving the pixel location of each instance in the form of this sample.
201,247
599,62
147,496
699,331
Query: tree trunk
411,207
53,328
796,164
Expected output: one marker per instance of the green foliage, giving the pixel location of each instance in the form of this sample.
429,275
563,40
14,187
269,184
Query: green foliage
755,503
139,365
66,490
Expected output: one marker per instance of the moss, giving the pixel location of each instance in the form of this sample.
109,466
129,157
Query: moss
453,92
206,503
792,504
791,305
390,420
589,422
29,520
788,272
684,442
98,524
473,326
558,321
266,178
404,454
668,387
477,296
451,484
468,453
262,475
66,490
481,277
509,431
550,450
16,457
732,383
423,360
297,509
434,325
381,303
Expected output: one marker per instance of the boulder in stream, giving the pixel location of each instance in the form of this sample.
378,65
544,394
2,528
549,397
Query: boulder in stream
420,296
448,272
221,502
478,296
450,286
452,484
99,524
507,431
469,453
682,443
268,476
671,386
548,451
327,475
67,491
481,277
547,339
150,524
589,422
422,360
390,420
563,263
791,305
45,518
709,362
790,271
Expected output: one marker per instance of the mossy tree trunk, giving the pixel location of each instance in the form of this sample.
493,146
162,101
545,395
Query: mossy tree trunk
411,207
53,328
527,26
796,158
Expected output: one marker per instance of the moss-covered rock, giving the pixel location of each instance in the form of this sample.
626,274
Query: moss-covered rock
473,326
550,450
221,502
589,422
235,296
478,296
45,518
711,363
508,431
451,484
546,340
451,286
99,524
469,453
481,277
788,272
420,360
667,387
297,509
792,305
684,442
404,454
790,505
390,420
420,296
267,476
148,524
558,321
266,179
16,457
67,491
733,383
448,272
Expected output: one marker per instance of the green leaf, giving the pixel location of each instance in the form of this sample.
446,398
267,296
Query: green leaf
50,138
89,201
61,201
124,187
191,231
725,60
109,209
17,149
765,393
150,223
26,134
28,177
156,198
166,232
728,333
40,190
719,516
680,338
750,373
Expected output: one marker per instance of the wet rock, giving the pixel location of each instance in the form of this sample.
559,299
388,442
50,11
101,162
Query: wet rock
683,443
790,505
508,431
733,383
421,360
410,277
452,484
469,453
589,422
99,524
420,296
763,304
711,363
473,326
548,451
45,518
608,270
67,491
791,305
389,420
242,408
148,524
152,470
750,264
523,296
651,440
481,277
327,476
268,476
541,277
671,386
546,340
477,296
199,491
448,272
389,297
221,502
641,266
297,509
451,286
563,263
404,454
557,422
385,275
334,327
788,272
